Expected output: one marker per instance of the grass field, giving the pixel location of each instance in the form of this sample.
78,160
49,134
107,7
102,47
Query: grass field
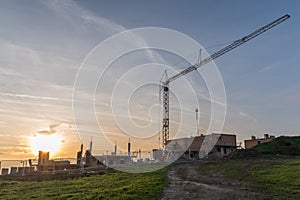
283,146
270,168
275,179
111,185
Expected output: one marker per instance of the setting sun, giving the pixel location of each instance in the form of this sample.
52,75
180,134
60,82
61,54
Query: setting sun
47,143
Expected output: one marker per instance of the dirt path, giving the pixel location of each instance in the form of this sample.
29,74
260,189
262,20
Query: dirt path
188,182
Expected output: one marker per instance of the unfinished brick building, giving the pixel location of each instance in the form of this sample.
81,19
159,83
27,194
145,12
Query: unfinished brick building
255,141
213,145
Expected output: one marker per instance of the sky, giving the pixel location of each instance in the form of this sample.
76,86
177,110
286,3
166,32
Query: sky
49,47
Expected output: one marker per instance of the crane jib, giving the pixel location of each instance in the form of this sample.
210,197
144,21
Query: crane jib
230,47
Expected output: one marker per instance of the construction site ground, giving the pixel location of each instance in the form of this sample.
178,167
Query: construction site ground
189,180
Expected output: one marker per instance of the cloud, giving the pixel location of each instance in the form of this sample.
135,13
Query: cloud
72,12
264,69
218,100
2,124
248,116
50,131
79,16
33,97
52,126
30,74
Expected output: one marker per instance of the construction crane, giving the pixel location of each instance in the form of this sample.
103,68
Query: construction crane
233,45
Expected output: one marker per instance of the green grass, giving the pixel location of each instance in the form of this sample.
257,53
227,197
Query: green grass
280,147
275,179
280,180
283,145
111,185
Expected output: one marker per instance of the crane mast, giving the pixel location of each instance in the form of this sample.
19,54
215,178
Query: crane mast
233,45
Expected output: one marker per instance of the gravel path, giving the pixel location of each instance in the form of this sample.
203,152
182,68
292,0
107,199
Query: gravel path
188,182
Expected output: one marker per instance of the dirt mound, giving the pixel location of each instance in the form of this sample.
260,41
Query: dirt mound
284,145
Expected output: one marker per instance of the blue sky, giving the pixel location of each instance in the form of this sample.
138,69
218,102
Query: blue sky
43,43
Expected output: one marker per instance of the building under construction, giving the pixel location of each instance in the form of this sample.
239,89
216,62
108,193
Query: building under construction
255,141
203,146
